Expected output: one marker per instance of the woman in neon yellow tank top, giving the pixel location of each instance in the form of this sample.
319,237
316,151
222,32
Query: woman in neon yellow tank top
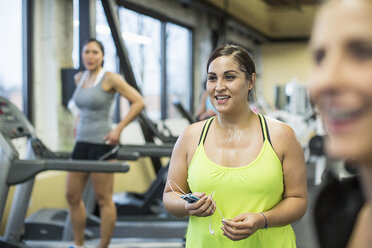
248,172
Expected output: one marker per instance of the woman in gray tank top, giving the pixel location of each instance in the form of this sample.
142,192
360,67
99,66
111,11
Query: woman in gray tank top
91,103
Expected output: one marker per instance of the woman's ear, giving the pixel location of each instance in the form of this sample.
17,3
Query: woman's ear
252,81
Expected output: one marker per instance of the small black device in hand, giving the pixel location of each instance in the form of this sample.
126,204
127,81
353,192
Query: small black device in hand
190,198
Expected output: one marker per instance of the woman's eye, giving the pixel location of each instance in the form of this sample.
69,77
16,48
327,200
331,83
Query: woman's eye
230,77
361,52
211,78
318,56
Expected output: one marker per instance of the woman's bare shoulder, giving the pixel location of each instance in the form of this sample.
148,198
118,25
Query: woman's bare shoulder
113,77
277,127
114,80
281,134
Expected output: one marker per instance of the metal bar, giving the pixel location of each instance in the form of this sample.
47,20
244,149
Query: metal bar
30,168
87,24
28,57
191,63
163,73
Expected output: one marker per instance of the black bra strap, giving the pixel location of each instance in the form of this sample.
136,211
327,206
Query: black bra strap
265,133
205,130
262,130
267,130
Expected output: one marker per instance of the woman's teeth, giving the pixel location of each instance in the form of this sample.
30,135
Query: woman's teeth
222,97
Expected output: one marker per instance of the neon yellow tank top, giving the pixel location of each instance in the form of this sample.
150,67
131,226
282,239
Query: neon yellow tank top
256,187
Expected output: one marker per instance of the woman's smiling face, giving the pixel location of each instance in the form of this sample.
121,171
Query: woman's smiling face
340,83
227,85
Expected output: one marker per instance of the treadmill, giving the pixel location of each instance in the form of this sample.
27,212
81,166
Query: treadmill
50,228
22,172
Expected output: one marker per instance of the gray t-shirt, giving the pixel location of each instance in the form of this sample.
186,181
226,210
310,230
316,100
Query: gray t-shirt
94,106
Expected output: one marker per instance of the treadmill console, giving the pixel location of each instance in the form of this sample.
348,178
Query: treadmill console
13,123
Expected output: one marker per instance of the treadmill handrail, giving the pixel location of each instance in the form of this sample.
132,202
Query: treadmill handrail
148,150
128,155
30,168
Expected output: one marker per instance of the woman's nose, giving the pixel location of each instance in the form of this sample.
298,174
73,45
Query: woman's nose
220,85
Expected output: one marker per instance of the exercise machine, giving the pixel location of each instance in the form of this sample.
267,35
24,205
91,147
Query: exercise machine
51,227
13,170
53,223
149,203
48,228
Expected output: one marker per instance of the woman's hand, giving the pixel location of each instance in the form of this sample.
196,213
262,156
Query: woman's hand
242,226
202,208
113,137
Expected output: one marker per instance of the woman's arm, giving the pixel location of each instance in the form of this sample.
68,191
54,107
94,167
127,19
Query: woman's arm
118,84
177,179
294,203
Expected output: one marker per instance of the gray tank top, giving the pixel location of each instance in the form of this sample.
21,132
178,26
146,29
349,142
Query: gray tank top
94,111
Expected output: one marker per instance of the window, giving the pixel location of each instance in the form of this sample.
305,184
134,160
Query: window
141,36
75,50
179,71
160,83
103,34
11,51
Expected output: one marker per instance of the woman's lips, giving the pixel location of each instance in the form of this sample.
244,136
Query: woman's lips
221,99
